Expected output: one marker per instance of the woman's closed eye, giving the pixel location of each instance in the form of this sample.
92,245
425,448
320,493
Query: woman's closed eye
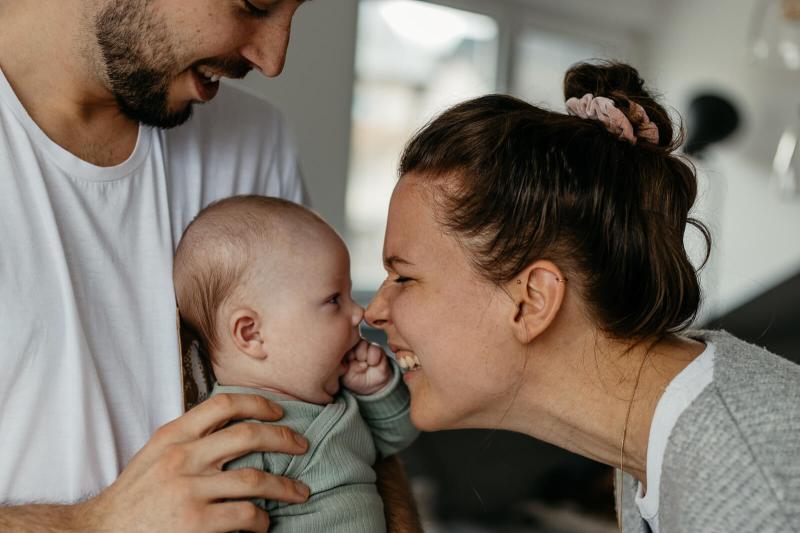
401,279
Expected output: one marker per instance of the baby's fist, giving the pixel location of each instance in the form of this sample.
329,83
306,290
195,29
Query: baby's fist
368,369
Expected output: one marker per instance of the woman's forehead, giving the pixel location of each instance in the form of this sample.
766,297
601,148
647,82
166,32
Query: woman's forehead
412,231
410,213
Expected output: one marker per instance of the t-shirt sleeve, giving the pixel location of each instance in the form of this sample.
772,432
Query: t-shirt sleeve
387,415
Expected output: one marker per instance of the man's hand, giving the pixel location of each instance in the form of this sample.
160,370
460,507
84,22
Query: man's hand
368,369
176,481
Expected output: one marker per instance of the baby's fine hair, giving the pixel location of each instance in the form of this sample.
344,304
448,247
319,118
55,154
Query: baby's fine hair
517,183
218,248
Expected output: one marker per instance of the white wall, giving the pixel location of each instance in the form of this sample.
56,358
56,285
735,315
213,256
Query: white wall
703,44
315,92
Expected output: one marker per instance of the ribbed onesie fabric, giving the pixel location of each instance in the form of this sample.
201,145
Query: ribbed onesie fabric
345,439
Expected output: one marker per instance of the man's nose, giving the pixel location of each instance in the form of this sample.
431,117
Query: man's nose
266,50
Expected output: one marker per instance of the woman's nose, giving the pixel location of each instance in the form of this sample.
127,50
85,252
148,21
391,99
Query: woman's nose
377,314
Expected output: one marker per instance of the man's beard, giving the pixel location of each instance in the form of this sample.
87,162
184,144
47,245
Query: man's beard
140,62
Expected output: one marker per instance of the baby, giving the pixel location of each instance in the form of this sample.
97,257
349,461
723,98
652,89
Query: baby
265,284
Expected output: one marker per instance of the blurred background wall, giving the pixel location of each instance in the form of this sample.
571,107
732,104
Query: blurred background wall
362,75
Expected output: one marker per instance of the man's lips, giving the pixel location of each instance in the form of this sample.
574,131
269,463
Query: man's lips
207,74
206,90
233,69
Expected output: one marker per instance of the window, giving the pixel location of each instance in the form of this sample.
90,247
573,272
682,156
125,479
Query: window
413,60
541,58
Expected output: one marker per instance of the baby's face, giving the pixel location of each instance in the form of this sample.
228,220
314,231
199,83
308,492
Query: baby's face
310,320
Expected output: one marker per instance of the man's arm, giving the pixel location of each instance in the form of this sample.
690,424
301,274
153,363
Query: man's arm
64,518
176,482
398,501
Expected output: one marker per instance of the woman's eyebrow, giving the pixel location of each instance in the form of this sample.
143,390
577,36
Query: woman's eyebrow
389,262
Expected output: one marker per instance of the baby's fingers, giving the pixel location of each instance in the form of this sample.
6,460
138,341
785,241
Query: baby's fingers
374,355
360,351
357,367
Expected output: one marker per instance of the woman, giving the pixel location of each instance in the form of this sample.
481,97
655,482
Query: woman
538,282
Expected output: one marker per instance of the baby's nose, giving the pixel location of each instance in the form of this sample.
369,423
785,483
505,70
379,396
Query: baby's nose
358,314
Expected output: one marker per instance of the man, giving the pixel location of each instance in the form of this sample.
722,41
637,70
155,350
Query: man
94,193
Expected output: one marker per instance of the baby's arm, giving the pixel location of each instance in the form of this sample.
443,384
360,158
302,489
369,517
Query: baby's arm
368,370
383,398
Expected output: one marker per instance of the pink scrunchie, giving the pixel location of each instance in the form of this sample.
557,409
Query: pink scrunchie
603,109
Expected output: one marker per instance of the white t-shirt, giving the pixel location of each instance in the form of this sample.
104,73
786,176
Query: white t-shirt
679,394
88,341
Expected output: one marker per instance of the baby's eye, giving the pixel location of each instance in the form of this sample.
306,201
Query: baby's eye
334,299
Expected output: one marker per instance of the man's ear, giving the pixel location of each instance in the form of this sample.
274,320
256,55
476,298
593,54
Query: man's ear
537,292
245,327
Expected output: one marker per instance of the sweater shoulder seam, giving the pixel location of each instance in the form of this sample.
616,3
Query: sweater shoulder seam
764,475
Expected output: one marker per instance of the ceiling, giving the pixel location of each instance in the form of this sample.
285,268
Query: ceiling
635,15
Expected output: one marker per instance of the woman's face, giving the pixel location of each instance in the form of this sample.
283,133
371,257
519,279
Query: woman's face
437,312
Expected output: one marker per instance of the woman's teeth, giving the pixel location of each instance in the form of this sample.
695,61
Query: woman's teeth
409,362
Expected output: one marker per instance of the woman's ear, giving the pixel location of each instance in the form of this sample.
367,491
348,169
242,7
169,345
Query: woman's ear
245,327
537,292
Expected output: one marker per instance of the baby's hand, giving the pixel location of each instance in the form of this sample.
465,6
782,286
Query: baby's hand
368,369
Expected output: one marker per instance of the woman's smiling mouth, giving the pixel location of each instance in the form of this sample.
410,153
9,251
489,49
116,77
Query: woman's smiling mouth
407,360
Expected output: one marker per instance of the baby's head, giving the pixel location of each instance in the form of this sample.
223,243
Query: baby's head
265,284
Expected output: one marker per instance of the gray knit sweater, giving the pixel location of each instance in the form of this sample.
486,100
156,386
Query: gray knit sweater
732,462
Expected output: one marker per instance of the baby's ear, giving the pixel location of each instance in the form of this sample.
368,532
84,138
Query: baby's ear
244,326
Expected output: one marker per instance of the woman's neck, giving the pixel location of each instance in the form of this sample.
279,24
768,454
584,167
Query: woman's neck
581,394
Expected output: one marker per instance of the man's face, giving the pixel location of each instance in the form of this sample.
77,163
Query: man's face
160,56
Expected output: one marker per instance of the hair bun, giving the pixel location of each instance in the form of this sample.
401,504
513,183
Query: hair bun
621,83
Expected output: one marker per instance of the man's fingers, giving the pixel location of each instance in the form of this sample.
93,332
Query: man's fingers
235,516
239,439
251,483
217,411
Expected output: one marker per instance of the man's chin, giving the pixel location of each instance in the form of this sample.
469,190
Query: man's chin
172,120
157,117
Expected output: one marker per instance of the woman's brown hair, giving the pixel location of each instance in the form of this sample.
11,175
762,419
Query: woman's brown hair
523,183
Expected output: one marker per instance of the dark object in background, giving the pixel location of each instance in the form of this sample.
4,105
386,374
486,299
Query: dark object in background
486,477
711,118
771,319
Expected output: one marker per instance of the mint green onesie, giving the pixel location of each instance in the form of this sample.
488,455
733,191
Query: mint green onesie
345,439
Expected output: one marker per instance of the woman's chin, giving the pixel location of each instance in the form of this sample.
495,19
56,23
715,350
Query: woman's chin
424,422
425,417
